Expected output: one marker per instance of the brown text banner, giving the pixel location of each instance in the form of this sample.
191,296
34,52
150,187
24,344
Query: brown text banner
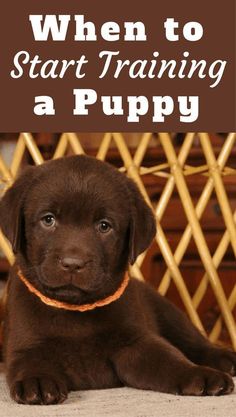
127,66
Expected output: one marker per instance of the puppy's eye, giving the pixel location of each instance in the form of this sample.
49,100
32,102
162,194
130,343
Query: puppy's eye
48,220
104,226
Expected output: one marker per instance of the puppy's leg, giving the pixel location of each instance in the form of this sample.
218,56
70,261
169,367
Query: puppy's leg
152,363
180,332
35,377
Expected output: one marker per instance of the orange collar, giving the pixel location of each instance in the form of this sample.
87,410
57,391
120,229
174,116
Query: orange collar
74,307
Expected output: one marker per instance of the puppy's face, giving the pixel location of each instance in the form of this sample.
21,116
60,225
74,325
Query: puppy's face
76,226
74,223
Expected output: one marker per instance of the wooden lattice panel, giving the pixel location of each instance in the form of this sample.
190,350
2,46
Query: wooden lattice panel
175,170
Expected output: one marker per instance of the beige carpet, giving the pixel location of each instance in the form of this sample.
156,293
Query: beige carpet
122,402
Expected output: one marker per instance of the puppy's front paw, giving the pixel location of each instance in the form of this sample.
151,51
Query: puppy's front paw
43,390
201,380
221,359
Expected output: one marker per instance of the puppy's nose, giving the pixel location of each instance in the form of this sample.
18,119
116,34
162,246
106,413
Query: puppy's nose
72,264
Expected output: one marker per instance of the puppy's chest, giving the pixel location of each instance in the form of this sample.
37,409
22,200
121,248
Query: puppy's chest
78,327
83,348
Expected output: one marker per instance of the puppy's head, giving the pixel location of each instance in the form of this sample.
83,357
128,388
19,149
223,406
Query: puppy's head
74,224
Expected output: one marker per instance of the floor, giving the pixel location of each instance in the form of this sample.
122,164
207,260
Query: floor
122,402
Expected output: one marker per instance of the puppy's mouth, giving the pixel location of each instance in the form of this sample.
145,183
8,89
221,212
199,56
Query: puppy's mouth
70,285
69,293
74,291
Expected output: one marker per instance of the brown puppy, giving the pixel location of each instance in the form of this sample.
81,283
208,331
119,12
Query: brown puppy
74,225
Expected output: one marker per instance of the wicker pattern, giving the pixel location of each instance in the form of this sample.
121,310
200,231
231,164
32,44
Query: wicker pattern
175,170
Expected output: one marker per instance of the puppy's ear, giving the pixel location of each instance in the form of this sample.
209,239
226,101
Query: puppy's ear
11,208
142,224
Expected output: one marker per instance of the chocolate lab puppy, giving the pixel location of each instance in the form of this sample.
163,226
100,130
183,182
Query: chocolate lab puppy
74,320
